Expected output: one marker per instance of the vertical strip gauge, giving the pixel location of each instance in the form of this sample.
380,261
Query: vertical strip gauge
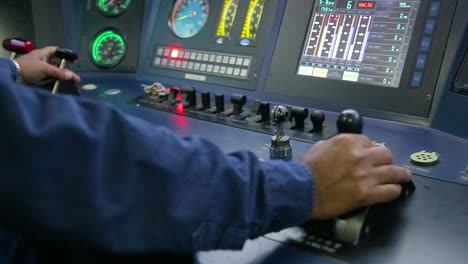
113,8
108,48
226,20
252,22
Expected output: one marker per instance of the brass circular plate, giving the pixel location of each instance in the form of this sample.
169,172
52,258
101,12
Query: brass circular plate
424,158
89,86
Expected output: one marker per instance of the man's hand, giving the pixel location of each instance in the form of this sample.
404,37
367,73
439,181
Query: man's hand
351,172
37,65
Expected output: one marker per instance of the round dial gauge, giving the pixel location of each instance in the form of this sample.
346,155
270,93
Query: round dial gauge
188,17
108,49
113,8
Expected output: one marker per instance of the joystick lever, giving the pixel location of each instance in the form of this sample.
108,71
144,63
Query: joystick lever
299,114
280,147
17,46
349,121
65,55
350,227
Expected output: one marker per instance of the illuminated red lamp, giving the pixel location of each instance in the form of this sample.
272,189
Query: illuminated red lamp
18,45
180,109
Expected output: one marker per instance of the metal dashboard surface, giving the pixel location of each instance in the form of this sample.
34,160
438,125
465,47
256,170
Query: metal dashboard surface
431,227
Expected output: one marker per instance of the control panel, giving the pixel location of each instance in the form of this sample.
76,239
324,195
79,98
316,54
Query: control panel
274,77
214,42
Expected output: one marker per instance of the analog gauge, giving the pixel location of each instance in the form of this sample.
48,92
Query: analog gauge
188,17
108,49
113,8
226,20
252,22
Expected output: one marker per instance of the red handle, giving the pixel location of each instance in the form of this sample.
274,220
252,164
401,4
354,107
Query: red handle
18,45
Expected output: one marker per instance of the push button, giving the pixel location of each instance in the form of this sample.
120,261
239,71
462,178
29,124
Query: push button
434,9
417,79
430,26
426,44
421,61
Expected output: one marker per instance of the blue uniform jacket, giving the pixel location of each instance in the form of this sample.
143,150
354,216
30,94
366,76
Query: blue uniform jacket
70,172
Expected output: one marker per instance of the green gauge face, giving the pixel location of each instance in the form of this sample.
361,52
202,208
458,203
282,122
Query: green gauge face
108,49
252,22
188,17
113,8
226,20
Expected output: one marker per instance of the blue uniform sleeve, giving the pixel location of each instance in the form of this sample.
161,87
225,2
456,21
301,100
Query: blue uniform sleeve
76,171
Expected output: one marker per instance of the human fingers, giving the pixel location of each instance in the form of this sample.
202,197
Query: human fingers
60,74
390,174
353,139
76,78
379,156
384,193
49,51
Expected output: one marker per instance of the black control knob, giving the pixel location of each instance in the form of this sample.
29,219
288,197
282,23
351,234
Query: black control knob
299,114
66,54
264,112
219,103
189,96
205,100
349,121
317,118
238,101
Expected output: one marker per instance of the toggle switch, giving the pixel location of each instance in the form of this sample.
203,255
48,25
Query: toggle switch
299,114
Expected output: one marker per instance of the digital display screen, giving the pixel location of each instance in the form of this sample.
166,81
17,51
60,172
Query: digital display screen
359,41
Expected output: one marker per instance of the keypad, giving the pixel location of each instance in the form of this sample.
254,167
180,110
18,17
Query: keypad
213,63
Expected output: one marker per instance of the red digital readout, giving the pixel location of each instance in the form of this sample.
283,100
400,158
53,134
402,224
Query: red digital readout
366,4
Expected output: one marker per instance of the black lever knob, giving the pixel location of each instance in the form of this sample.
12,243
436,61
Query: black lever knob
174,93
299,114
317,118
219,103
264,111
190,96
66,54
349,121
205,100
238,101
174,96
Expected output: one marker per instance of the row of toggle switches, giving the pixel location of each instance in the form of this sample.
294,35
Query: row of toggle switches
260,109
235,112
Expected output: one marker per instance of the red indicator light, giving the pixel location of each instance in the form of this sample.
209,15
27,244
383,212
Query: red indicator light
180,109
366,4
174,53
